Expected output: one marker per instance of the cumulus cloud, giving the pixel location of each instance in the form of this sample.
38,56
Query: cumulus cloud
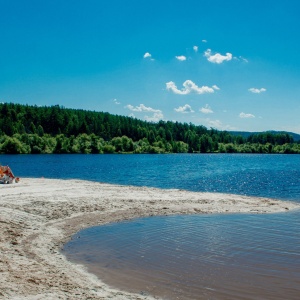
155,117
195,48
257,91
217,58
157,114
215,123
116,102
184,109
218,125
181,57
204,41
206,109
141,108
245,116
188,87
147,54
215,87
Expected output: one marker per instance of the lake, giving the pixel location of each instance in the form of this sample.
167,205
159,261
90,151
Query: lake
276,176
239,256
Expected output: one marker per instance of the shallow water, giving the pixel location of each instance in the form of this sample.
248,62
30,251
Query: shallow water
196,257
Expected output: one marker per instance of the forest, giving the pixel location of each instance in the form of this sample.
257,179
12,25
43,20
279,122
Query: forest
28,129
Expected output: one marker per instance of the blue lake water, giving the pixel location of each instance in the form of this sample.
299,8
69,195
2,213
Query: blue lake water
236,256
276,176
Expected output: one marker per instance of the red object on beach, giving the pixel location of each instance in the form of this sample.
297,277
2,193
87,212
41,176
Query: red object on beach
7,176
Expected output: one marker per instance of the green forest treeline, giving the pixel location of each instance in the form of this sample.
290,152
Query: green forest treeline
28,129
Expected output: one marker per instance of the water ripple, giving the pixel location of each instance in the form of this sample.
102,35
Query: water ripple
197,257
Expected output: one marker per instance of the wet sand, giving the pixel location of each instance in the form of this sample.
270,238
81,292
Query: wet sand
38,215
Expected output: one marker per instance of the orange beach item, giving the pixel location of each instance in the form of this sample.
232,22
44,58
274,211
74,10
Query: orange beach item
7,176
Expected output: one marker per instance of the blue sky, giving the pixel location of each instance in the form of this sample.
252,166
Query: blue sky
230,65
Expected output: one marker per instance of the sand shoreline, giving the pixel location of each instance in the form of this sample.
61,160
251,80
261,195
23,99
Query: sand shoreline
38,215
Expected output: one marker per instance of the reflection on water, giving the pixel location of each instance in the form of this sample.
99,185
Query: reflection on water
196,257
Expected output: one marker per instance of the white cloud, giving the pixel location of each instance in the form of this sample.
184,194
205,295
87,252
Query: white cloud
206,109
147,54
240,58
155,118
132,108
245,116
131,115
184,109
181,57
218,125
195,48
157,114
189,86
116,102
215,124
204,41
215,87
257,91
217,58
141,108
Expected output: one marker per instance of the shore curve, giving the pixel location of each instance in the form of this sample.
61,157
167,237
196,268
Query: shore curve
38,215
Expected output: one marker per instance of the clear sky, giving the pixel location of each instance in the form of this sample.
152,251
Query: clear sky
230,65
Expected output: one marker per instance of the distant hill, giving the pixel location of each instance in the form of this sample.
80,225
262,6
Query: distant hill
246,134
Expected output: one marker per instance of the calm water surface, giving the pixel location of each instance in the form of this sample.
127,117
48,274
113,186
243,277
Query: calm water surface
188,257
196,257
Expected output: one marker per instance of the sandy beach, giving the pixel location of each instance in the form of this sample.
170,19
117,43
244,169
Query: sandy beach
38,215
